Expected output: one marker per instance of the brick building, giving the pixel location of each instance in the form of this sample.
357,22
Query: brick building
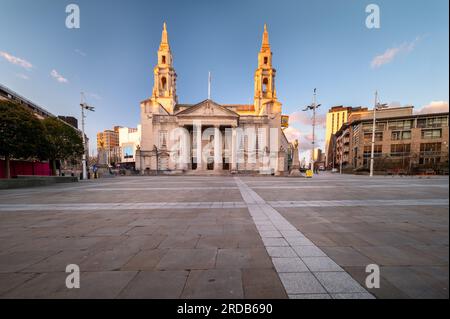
108,147
404,142
336,117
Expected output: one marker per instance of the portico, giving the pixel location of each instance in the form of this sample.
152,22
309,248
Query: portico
211,127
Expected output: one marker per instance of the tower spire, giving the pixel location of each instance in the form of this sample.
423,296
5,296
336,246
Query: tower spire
265,74
265,40
164,87
164,38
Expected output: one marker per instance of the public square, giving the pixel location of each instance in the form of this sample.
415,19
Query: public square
227,237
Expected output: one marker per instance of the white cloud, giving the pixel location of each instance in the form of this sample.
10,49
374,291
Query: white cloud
390,54
434,107
305,118
22,76
304,138
83,54
15,60
58,77
292,134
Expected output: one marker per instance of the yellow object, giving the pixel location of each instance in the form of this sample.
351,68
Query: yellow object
309,173
284,120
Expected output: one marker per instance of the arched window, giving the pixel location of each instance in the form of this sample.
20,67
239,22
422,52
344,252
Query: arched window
163,59
265,85
164,83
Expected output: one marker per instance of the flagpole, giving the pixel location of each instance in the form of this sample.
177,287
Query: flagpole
209,85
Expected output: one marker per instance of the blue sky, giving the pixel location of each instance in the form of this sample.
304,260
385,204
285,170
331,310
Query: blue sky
323,44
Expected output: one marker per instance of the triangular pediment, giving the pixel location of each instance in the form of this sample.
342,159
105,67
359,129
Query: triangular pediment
207,108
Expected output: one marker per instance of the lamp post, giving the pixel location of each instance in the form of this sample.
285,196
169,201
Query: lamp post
313,107
376,107
84,106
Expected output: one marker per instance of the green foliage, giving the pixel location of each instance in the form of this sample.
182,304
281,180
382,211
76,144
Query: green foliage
61,141
21,133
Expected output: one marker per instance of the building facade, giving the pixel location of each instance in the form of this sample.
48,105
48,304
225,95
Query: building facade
336,117
21,167
404,142
69,120
129,142
108,148
209,136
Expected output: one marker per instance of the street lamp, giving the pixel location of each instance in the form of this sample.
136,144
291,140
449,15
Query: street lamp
313,107
376,107
342,154
84,106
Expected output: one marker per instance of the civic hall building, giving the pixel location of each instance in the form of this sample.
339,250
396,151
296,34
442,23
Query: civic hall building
209,136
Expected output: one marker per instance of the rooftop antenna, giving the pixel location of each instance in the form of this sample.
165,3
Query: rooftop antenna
209,85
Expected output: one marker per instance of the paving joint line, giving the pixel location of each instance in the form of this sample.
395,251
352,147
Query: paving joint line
303,268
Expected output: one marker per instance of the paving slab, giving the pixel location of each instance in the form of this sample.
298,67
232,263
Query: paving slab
262,283
187,259
243,258
155,285
214,284
301,283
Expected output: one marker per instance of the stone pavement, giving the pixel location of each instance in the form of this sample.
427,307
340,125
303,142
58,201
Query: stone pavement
225,237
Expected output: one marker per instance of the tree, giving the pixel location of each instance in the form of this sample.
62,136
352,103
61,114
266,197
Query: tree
21,133
62,142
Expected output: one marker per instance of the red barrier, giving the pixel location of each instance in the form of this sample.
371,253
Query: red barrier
25,168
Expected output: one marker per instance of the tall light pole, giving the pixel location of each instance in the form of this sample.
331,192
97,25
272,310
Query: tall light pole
376,106
84,106
313,107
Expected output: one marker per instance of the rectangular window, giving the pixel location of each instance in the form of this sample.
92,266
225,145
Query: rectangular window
400,149
430,148
401,125
163,135
432,122
368,127
368,150
400,135
368,137
429,134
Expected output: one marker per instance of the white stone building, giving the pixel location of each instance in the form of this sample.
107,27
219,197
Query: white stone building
129,141
209,136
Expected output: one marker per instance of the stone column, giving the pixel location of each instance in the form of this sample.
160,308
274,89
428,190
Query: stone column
198,139
233,149
295,171
217,149
184,149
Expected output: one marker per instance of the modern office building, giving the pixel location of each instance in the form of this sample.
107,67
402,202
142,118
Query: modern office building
108,147
336,117
404,142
